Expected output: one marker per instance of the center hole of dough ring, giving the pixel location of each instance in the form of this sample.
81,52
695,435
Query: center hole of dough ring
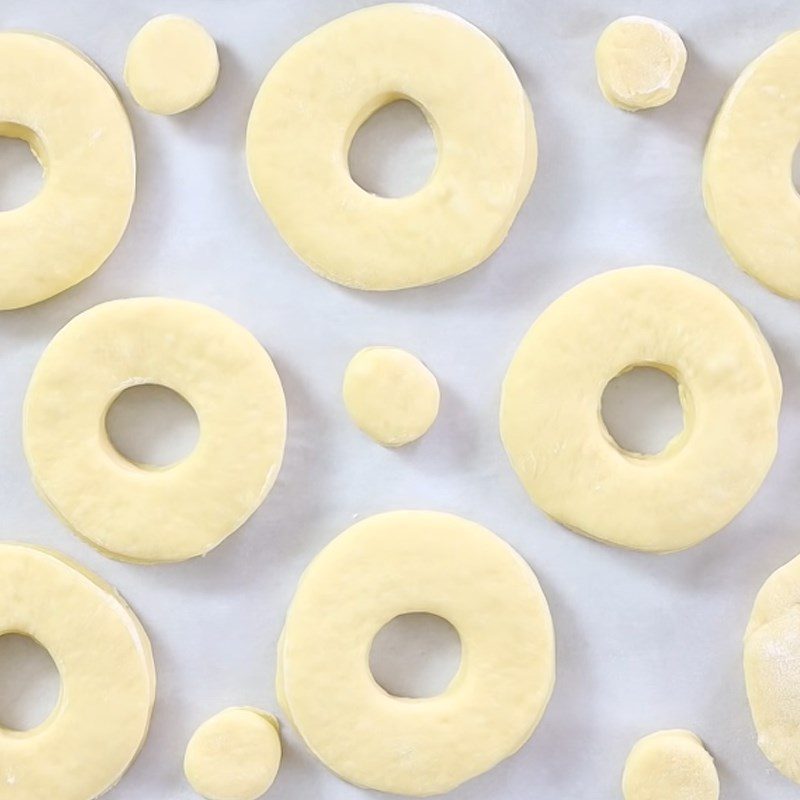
415,655
415,563
21,174
393,153
126,508
552,423
642,410
65,108
302,125
29,683
152,425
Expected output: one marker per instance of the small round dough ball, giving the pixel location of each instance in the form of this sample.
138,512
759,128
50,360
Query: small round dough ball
390,394
172,65
640,63
670,765
235,755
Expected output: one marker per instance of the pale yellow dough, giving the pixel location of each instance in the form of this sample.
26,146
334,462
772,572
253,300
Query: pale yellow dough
172,65
304,119
772,668
107,674
729,385
393,564
390,394
670,765
235,755
748,189
131,511
640,63
60,103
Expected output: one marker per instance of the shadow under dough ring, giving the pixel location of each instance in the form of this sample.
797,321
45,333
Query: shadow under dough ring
729,385
304,119
131,511
107,674
404,562
60,103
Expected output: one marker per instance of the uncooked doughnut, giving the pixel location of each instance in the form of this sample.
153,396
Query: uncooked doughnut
416,561
135,512
390,394
670,765
304,119
60,103
172,65
640,63
772,668
235,755
107,674
748,189
729,386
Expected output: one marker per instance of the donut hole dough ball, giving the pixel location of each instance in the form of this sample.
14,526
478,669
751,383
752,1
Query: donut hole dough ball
381,568
107,678
390,395
60,103
640,63
748,187
670,765
304,119
135,512
235,755
729,385
172,65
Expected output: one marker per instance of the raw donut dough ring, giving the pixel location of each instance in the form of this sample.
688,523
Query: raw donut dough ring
60,103
135,512
107,678
234,755
730,391
670,765
416,561
772,668
748,189
304,118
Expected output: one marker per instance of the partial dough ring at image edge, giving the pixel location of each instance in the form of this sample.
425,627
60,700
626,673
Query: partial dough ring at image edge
107,675
58,101
397,563
729,385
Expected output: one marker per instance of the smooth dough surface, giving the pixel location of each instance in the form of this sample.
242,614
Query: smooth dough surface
729,385
132,511
304,119
107,675
393,564
390,394
640,63
670,765
235,755
172,65
772,668
748,188
59,102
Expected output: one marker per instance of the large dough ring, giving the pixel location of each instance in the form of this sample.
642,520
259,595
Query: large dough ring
304,118
130,511
730,390
107,674
747,171
58,101
393,564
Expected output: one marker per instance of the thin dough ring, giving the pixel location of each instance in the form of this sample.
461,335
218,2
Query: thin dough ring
730,390
139,513
416,561
304,118
107,678
54,98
